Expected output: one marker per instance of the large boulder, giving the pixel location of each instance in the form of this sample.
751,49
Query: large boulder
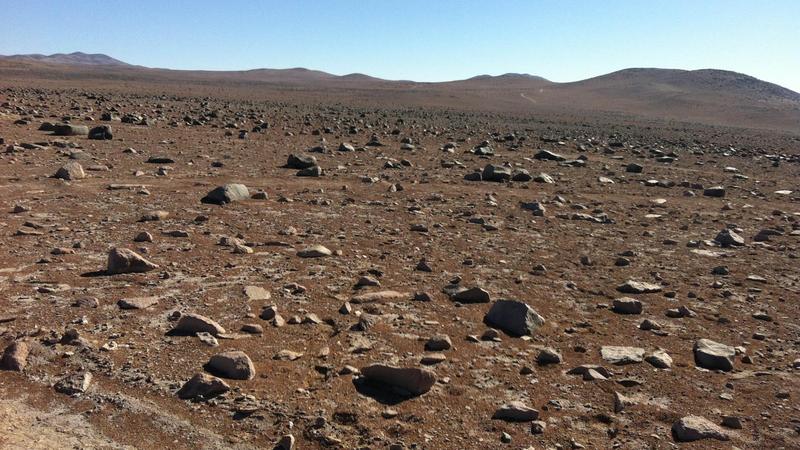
712,355
227,193
70,171
235,365
122,260
514,317
203,386
409,380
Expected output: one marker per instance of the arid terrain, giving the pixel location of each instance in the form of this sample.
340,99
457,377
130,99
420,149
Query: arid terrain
281,259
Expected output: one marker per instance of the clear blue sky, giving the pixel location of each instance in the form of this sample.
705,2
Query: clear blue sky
424,40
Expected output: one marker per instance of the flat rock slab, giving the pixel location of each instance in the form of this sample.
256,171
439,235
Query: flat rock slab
638,287
195,323
137,303
315,251
695,428
380,297
516,412
227,193
622,355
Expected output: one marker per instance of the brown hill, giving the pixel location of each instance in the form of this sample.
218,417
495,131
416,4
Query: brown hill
704,96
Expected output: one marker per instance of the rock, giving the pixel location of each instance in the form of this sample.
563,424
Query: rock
496,173
732,422
103,132
137,302
538,427
379,297
544,178
638,287
627,305
202,386
471,295
285,443
315,251
235,365
547,356
715,191
195,323
74,384
256,293
728,238
514,317
15,357
438,343
301,161
713,355
144,236
547,155
622,355
515,412
70,171
695,428
412,380
227,193
70,130
621,402
313,172
659,359
122,260
634,168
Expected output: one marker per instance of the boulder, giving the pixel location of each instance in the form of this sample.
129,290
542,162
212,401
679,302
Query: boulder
203,386
103,132
15,357
227,193
409,380
70,171
315,251
622,355
122,260
713,355
638,287
493,172
195,323
300,161
515,412
70,130
235,365
695,428
514,317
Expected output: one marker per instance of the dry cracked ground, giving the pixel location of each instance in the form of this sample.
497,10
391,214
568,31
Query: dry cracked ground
213,273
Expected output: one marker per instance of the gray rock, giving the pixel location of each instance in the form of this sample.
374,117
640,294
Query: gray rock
514,317
471,295
695,428
713,355
204,386
301,161
137,302
714,191
622,355
547,356
516,412
547,155
227,193
313,172
728,238
70,171
122,260
411,380
75,384
627,305
195,323
235,365
438,343
315,251
70,130
659,359
15,357
493,172
103,132
638,287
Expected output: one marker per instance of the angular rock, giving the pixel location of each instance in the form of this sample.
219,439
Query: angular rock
315,251
137,302
15,357
70,171
227,193
122,260
74,384
235,365
515,412
638,287
695,428
622,355
712,355
203,386
514,317
627,305
195,323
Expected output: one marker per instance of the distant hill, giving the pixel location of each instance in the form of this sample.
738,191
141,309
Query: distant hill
707,96
76,58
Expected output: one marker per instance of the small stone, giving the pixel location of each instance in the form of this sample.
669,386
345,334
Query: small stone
233,364
122,260
515,412
203,386
315,251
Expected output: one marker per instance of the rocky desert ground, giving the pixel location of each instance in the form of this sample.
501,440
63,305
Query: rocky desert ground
188,268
